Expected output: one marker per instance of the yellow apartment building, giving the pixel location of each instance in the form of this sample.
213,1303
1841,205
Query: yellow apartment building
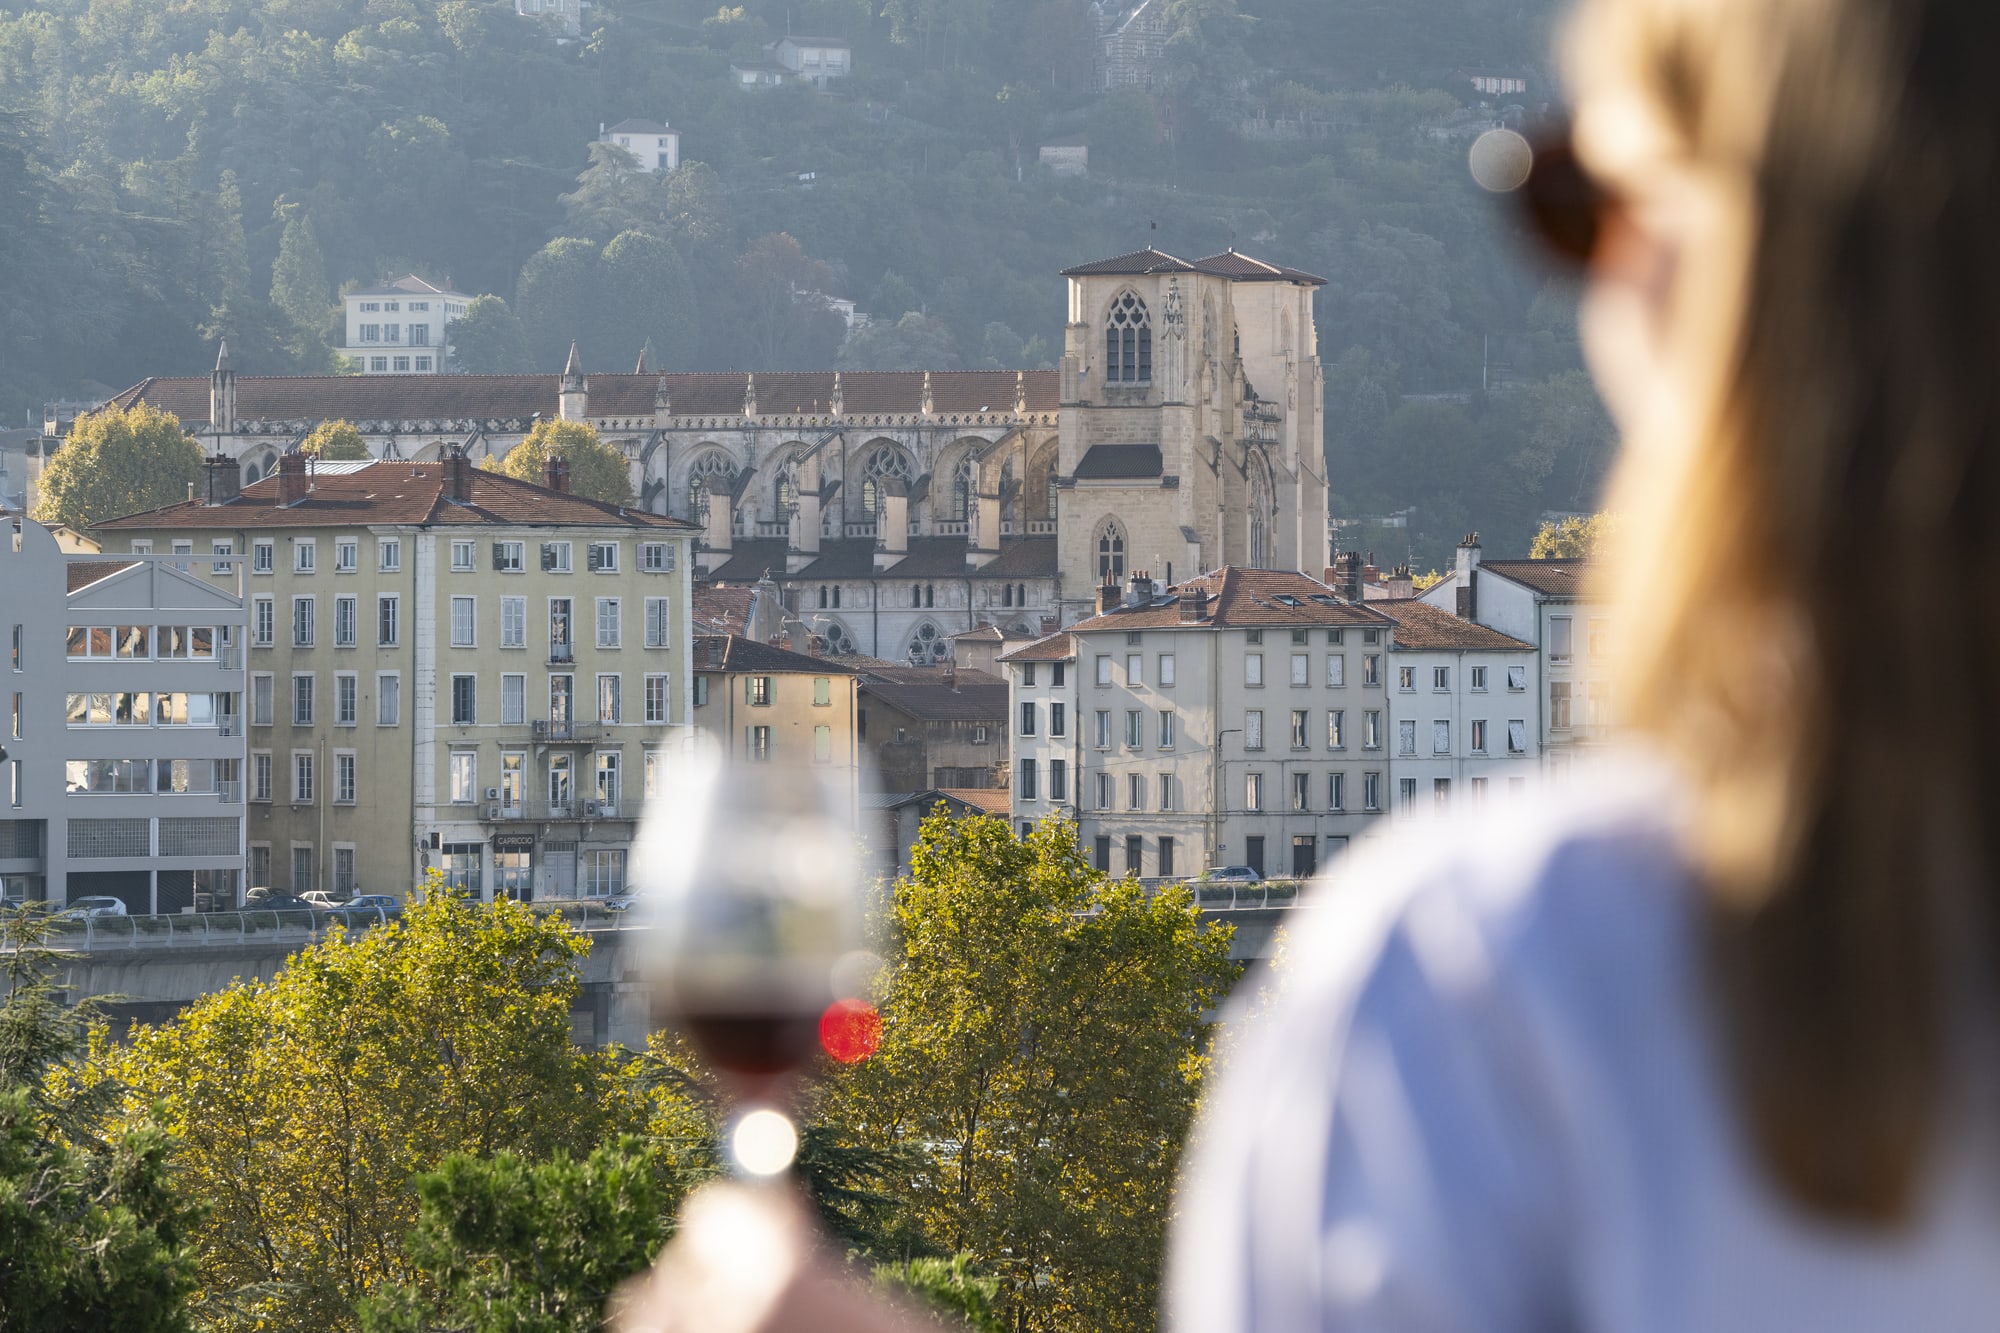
763,704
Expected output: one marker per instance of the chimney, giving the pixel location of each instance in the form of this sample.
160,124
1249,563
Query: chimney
1107,596
950,674
555,473
1371,573
457,477
292,482
1139,589
1468,583
1400,582
1194,604
222,478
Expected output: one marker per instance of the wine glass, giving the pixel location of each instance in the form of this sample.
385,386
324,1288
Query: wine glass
751,878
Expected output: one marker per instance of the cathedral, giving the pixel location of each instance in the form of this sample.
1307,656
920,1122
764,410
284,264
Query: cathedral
1180,433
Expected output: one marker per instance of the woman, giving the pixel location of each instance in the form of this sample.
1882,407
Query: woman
1701,1042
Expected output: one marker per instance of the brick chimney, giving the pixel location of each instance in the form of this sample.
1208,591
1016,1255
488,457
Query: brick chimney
1108,597
1139,589
1194,605
457,477
1468,579
555,473
1401,584
1346,578
292,481
222,479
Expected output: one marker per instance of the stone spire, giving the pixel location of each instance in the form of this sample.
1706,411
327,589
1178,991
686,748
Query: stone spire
927,407
838,403
573,370
573,397
1020,393
222,397
640,369
750,395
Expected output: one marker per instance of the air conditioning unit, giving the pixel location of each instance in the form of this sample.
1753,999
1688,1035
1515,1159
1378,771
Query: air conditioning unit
493,812
590,809
492,793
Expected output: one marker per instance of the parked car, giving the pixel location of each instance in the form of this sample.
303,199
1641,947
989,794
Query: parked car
1230,875
281,902
321,898
367,907
623,902
95,907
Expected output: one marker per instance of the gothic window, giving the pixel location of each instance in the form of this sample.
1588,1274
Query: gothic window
1049,489
836,638
1259,554
1128,342
1006,594
788,493
822,597
712,472
961,490
886,462
1110,552
927,646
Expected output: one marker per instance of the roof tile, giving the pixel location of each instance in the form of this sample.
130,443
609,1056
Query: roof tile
1419,625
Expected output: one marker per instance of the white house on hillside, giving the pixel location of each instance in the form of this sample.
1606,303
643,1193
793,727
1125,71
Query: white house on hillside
565,15
652,144
815,58
400,328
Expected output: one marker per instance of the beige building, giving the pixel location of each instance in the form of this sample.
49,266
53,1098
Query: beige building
447,668
770,705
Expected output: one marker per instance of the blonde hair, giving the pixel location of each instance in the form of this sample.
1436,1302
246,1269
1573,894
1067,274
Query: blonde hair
1832,169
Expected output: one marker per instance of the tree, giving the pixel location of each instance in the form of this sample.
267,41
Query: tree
1046,1145
612,195
1125,132
914,342
949,1287
784,310
557,299
596,469
298,278
118,462
1573,538
487,339
335,441
305,1104
92,1235
646,300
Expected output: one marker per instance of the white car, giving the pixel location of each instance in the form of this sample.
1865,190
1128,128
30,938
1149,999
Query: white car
320,898
95,907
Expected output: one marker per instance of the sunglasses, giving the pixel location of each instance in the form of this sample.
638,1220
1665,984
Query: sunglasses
1565,208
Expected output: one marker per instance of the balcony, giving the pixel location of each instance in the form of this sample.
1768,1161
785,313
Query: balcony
230,656
562,654
545,812
230,792
229,725
563,731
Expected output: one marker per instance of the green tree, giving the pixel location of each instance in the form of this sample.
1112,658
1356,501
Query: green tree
487,339
647,301
612,195
1573,538
92,1233
950,1287
788,325
596,469
914,342
304,1105
230,252
298,278
1125,133
335,441
557,300
1046,1145
114,463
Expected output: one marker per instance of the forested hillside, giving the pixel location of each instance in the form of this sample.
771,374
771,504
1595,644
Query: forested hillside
172,171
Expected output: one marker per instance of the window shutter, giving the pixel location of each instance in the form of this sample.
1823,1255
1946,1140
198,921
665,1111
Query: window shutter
590,558
548,555
497,564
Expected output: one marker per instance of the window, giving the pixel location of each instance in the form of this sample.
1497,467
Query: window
606,778
1440,677
1027,718
559,782
1371,791
1028,673
303,609
263,557
1440,737
1128,342
346,698
1440,792
1166,728
1103,718
402,362
559,641
372,333
1135,848
607,699
1336,791
1025,781
461,622
346,555
1253,729
1406,737
1336,671
1562,645
260,775
701,701
1166,791
1517,678
388,619
1479,735
302,699
1406,678
458,862
657,622
1103,792
1058,718
509,557
388,699
1479,678
1371,668
1300,739
759,743
1517,736
461,556
602,558
464,776
389,554
656,557
1478,792
305,555
1166,866
560,688
345,630
1301,669
513,622
757,691
1558,705
378,364
1253,791
1103,669
1135,672
263,622
1058,780
608,625
464,700
604,872
1371,730
513,699
302,777
1301,791
260,700
656,697
223,547
1253,670
1406,792
1336,728
1135,730
555,557
1135,791
1110,552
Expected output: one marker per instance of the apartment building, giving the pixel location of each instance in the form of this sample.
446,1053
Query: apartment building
765,704
1463,712
1239,718
402,327
1048,744
448,668
124,745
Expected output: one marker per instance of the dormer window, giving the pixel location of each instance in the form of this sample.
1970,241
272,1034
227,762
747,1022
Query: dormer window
1128,342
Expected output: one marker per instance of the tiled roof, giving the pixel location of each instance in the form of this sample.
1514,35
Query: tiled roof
720,610
1148,260
1025,558
637,126
1241,267
83,573
839,558
1055,648
973,800
1420,625
1551,578
1102,461
1241,598
928,558
853,558
993,800
751,560
431,402
975,696
984,634
399,493
408,285
734,653
1228,264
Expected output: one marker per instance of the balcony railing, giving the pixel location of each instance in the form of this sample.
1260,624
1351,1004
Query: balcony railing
544,812
231,657
230,792
228,725
562,652
564,731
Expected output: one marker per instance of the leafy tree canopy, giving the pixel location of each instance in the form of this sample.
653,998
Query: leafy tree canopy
1573,538
488,340
335,441
596,469
118,462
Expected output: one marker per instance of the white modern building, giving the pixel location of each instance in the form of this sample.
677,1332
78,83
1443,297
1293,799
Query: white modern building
654,145
1463,712
125,748
1543,602
816,59
401,328
566,16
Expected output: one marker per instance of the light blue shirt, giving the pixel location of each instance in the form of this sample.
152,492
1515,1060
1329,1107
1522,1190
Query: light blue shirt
1487,1097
